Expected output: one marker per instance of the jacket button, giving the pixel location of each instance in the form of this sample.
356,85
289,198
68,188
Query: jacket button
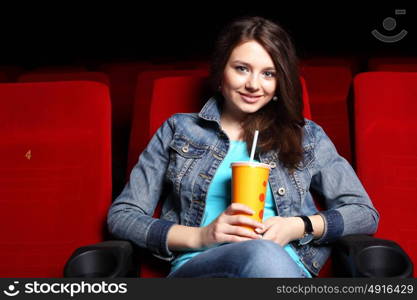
272,164
281,191
185,149
315,264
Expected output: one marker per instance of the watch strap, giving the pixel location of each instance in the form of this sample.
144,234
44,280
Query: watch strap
308,226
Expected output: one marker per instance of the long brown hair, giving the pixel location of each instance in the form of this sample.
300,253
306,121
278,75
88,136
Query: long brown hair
279,122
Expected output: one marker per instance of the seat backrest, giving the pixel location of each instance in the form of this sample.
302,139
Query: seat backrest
150,109
39,76
123,84
124,91
124,79
55,173
170,95
386,151
306,100
328,84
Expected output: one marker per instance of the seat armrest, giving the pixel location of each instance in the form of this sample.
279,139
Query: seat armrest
366,256
108,259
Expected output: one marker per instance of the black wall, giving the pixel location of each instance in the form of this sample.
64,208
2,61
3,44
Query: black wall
67,34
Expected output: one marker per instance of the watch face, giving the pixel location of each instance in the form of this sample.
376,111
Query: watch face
306,239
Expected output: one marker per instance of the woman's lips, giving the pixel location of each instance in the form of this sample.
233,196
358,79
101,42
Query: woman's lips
250,98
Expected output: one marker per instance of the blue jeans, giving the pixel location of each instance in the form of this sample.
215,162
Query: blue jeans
250,259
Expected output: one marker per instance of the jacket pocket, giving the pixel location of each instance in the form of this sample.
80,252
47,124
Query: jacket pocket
187,148
185,153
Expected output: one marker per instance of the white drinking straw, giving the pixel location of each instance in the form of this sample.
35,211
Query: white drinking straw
255,140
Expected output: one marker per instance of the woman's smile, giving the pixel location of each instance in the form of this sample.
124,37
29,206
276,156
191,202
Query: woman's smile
249,98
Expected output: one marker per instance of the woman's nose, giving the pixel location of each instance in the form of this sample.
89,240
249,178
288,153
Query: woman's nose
252,83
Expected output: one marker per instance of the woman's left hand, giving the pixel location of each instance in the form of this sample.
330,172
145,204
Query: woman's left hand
282,230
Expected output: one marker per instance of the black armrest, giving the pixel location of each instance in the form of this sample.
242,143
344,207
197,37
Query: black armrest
366,256
107,259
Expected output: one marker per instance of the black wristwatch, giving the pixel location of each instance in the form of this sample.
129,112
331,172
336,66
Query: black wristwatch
308,231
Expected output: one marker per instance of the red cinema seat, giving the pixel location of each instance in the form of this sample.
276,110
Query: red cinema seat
123,77
55,173
328,84
145,111
124,80
393,64
169,95
306,100
386,151
38,76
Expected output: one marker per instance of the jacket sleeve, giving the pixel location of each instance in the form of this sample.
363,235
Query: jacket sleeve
130,215
349,209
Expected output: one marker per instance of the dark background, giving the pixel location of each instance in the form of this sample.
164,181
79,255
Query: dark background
71,34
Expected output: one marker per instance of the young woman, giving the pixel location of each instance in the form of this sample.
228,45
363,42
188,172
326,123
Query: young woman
187,166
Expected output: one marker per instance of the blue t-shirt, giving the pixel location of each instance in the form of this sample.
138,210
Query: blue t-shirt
219,198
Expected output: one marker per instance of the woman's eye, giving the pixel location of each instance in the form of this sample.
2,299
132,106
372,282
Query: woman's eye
269,74
241,68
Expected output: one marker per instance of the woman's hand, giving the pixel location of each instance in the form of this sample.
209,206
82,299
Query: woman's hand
226,228
282,230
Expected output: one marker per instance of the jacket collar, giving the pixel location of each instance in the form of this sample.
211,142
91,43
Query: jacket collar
211,111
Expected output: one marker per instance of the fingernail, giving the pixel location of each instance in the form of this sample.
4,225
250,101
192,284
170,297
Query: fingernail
258,230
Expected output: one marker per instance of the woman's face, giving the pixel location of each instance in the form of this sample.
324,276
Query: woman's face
249,79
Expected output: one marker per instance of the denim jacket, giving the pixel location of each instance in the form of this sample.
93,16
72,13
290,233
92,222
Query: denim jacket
181,159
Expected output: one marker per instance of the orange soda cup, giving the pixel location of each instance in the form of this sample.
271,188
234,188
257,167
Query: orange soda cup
249,183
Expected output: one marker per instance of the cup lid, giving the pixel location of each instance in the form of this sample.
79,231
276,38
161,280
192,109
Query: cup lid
250,164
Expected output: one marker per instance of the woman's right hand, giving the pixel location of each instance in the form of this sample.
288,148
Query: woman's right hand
226,228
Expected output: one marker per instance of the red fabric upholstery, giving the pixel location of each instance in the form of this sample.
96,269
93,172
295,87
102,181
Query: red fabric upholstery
123,79
55,173
167,96
149,109
386,151
306,100
393,64
328,84
350,62
123,85
61,76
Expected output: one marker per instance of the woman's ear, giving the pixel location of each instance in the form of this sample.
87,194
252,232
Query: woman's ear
219,87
